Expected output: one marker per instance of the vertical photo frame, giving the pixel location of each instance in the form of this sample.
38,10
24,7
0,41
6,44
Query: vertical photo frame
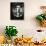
17,10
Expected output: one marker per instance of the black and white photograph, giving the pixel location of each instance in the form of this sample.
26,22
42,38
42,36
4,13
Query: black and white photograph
17,10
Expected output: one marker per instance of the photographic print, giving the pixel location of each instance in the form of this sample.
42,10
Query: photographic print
17,11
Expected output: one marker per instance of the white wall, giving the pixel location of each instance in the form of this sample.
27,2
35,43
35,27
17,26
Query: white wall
26,26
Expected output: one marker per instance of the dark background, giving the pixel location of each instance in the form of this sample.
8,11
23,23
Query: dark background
13,5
